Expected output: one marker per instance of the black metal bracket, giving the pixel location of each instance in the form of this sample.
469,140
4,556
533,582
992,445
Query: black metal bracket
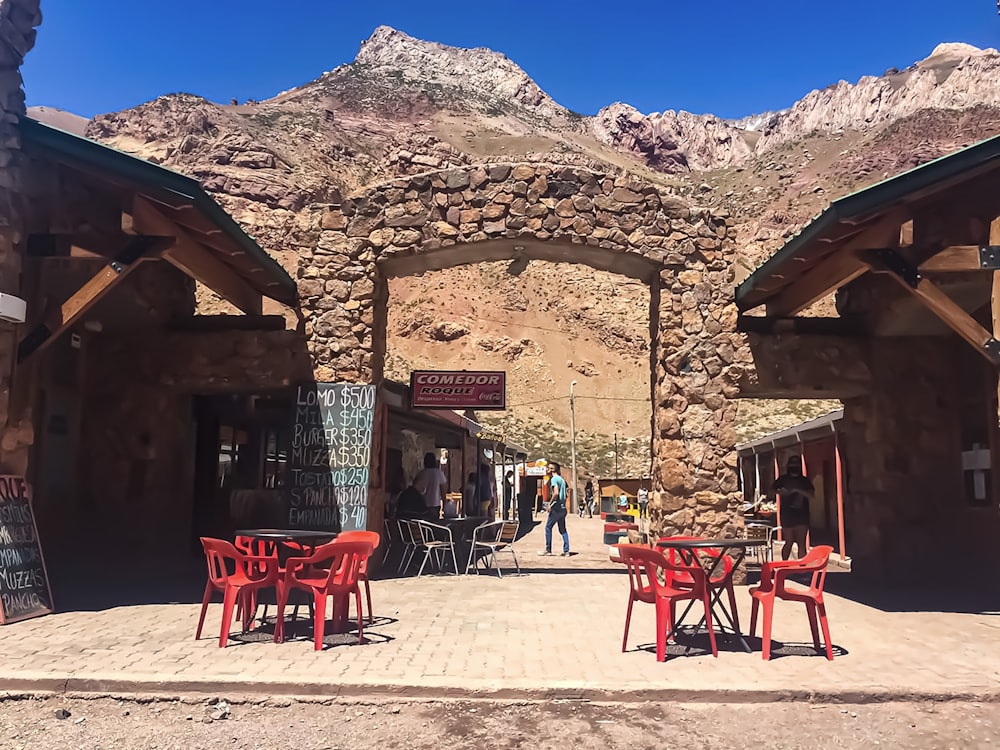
992,349
989,257
900,266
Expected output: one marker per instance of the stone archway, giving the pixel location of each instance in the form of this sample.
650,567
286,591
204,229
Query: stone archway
541,211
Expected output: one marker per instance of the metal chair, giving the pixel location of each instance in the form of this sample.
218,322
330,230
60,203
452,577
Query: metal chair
412,539
761,532
435,541
493,536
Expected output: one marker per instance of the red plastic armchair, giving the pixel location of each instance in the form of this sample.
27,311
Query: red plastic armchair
373,538
331,571
721,580
250,573
646,567
774,585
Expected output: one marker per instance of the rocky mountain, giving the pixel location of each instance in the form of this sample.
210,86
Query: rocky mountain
405,106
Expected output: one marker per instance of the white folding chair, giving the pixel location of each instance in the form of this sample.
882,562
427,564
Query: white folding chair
493,536
412,539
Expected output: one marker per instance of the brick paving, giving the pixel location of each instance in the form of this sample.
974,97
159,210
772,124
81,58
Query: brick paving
556,629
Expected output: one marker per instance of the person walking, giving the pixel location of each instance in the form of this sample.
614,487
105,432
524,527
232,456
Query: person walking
643,501
588,499
557,510
793,491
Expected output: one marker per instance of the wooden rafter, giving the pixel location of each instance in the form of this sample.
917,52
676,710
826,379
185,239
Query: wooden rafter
816,283
963,258
908,276
58,318
193,258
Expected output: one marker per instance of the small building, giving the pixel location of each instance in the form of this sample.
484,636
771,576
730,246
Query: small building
817,442
912,352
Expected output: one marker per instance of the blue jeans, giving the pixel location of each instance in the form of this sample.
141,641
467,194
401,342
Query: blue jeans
556,517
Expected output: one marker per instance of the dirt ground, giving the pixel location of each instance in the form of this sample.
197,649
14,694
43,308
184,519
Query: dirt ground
124,724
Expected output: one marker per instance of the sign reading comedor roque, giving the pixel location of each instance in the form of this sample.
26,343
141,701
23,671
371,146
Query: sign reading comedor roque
458,389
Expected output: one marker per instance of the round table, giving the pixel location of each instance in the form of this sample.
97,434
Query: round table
308,539
736,549
462,528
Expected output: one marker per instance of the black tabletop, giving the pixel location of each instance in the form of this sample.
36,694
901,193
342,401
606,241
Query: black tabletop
709,543
465,518
290,535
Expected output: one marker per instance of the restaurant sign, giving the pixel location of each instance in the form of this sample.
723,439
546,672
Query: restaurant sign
458,389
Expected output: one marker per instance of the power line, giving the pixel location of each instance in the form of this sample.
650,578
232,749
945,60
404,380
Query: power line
560,398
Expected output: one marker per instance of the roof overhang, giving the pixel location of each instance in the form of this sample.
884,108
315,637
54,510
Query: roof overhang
211,245
831,250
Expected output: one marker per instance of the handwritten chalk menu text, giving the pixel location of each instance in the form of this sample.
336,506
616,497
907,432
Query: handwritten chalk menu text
331,455
24,585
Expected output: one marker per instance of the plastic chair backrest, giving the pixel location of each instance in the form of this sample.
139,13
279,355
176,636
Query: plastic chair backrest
372,537
815,562
217,553
646,563
345,560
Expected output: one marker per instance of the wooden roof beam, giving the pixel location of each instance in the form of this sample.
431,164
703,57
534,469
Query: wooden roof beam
195,259
58,318
908,276
815,284
958,258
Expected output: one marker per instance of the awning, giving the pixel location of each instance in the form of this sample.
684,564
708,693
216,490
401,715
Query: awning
209,245
829,252
800,433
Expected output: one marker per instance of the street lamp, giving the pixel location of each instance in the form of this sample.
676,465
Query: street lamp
572,433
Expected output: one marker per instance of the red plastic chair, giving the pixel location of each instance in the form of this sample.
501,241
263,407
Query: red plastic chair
646,566
775,586
331,571
373,538
640,590
719,580
250,573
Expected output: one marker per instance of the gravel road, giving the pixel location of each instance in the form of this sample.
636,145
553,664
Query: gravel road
88,724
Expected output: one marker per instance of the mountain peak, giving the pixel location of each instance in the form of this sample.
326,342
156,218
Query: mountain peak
956,52
479,74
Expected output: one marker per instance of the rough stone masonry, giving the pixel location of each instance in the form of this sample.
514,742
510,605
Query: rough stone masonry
18,19
469,214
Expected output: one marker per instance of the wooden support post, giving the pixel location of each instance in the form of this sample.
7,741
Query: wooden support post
994,239
839,465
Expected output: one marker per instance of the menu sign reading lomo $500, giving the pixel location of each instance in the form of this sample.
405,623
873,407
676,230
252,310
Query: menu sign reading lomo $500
330,456
24,585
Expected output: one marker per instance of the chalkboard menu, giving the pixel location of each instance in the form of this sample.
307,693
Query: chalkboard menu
24,584
330,456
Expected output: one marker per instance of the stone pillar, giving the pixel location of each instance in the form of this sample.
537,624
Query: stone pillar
696,369
18,19
338,283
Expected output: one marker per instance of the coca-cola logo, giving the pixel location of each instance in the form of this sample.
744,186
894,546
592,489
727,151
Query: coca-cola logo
490,397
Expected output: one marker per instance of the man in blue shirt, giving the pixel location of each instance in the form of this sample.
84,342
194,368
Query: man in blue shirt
557,510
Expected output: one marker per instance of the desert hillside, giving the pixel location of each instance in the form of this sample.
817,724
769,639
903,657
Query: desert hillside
406,106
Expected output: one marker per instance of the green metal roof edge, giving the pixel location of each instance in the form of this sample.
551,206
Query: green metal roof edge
870,198
158,180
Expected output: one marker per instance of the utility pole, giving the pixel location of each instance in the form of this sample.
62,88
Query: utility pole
572,433
616,458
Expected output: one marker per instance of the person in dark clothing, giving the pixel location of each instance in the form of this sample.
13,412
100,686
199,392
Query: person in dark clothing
410,504
794,491
508,494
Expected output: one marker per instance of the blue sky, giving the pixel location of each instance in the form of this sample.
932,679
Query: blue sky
721,56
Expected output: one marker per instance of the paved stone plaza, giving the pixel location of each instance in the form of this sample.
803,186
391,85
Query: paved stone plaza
555,630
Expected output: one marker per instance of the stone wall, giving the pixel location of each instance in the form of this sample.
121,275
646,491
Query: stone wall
554,213
18,19
904,497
